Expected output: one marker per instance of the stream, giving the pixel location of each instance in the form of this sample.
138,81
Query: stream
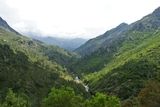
77,80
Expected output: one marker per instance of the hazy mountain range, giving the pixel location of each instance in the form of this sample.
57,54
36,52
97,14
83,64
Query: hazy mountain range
66,43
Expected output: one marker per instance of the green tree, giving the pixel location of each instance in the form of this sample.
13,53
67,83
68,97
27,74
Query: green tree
66,97
63,97
149,96
101,100
14,100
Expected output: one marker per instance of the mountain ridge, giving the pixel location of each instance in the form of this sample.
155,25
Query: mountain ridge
67,43
108,44
102,38
130,62
4,25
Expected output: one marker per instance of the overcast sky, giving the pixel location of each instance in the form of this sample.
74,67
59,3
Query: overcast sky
73,18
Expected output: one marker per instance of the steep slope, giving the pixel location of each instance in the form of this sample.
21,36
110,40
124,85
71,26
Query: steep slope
149,21
4,25
127,73
26,68
107,38
135,62
105,50
54,53
97,52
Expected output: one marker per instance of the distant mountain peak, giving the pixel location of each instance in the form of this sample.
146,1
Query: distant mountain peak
157,12
122,25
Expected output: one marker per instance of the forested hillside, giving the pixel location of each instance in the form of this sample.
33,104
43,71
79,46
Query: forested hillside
29,69
99,51
120,68
25,67
128,65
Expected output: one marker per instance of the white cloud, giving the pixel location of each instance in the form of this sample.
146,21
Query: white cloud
73,18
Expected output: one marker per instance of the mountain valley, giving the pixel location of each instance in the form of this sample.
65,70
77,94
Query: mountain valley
120,68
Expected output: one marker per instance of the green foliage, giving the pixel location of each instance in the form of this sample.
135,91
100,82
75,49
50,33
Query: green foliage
98,52
150,95
93,62
126,57
101,100
66,97
63,97
25,68
60,55
14,100
135,63
36,50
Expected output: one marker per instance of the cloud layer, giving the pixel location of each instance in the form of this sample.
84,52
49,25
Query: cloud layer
73,18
